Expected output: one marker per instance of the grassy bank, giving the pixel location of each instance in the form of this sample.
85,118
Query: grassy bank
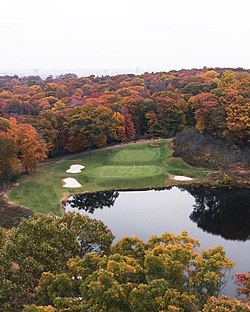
11,215
134,166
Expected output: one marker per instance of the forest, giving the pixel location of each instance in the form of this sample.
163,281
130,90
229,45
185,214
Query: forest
41,272
52,263
208,109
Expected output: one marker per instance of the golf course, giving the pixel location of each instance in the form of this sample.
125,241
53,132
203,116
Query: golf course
141,165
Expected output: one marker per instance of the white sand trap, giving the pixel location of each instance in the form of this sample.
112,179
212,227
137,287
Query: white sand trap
182,178
71,182
75,169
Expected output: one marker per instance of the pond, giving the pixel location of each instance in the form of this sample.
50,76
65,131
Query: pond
213,216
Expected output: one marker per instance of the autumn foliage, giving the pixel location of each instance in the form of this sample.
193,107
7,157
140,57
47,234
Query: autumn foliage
20,145
71,265
72,114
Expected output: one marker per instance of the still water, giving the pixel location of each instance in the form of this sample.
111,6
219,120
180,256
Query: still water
213,216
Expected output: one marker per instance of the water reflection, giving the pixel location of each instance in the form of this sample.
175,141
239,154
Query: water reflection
92,201
225,213
222,212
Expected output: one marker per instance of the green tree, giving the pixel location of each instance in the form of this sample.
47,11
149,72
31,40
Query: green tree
94,124
8,157
8,152
41,244
164,274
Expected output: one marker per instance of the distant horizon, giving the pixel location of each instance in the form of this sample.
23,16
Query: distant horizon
81,72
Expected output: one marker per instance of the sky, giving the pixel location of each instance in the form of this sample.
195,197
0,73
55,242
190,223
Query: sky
149,34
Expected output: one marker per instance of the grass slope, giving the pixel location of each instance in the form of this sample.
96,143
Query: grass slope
132,166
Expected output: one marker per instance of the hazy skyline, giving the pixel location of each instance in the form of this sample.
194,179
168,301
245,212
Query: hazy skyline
158,34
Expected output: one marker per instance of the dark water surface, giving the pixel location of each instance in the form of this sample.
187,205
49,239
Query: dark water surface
213,216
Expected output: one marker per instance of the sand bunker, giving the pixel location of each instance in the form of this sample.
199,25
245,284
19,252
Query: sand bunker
71,182
182,178
75,169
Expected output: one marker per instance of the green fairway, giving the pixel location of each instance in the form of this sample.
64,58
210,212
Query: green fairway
122,172
133,166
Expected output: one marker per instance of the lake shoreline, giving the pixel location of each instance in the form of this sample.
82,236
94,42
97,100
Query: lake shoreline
133,166
214,216
195,185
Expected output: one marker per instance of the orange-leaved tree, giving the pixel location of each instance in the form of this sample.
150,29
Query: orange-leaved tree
31,149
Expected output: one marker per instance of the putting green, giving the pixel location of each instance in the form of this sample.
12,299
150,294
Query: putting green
125,172
135,156
134,166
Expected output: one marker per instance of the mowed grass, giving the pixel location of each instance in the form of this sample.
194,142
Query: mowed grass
134,166
177,166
